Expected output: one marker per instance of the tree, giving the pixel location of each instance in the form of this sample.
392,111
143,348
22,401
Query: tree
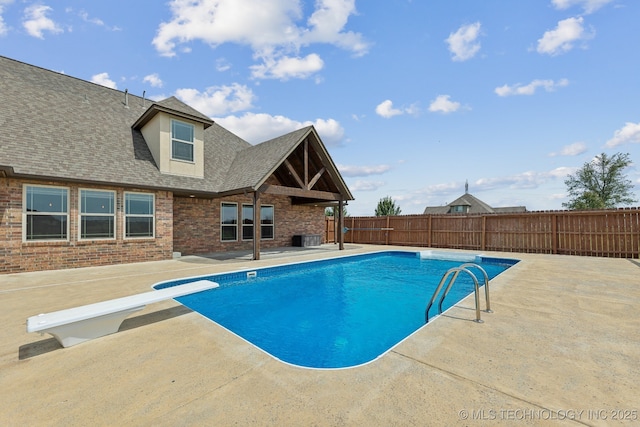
600,184
386,206
332,211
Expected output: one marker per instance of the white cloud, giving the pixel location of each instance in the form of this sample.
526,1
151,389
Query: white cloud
154,80
3,27
96,21
386,110
630,133
36,21
362,185
287,67
463,43
445,188
563,37
273,32
524,180
104,80
530,89
351,170
589,6
222,65
571,150
257,128
442,104
218,100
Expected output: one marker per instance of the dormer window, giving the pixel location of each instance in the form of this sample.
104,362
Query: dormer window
182,141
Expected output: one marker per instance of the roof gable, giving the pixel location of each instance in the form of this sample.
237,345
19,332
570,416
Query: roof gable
474,206
253,166
175,107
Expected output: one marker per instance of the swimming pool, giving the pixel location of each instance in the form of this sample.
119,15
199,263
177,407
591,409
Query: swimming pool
332,313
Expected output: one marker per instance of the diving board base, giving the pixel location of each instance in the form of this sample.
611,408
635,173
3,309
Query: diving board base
85,330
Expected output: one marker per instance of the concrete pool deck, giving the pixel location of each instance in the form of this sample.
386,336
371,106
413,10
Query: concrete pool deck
562,347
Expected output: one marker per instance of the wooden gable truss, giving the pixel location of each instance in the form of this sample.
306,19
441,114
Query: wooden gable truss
308,176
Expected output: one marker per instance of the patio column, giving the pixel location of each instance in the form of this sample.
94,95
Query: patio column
341,225
256,225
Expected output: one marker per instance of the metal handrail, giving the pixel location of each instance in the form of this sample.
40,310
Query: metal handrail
455,271
486,282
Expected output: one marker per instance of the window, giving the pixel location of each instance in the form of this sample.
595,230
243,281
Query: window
139,215
97,214
46,213
459,208
266,222
229,221
181,141
247,222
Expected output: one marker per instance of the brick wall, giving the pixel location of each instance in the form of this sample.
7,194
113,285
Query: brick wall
18,256
197,223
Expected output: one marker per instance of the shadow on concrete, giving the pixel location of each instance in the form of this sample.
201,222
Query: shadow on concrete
271,253
48,345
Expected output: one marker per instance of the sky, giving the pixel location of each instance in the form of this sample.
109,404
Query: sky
412,98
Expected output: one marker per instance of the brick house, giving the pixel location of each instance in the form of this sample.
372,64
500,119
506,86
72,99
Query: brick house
94,176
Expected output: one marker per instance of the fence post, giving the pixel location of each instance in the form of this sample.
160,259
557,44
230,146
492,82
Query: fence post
483,243
554,234
386,232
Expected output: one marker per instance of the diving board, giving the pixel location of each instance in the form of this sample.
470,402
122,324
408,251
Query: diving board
75,325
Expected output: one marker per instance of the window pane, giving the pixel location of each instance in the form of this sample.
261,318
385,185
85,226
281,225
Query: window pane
182,131
229,232
96,227
266,215
266,232
229,214
46,227
139,204
247,232
46,199
139,227
247,214
182,151
100,202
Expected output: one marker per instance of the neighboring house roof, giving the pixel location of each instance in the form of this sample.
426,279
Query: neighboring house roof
62,128
472,204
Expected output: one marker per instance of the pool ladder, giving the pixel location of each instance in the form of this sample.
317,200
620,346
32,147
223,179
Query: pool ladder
454,272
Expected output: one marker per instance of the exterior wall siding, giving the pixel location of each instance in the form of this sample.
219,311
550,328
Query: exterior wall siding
197,223
18,256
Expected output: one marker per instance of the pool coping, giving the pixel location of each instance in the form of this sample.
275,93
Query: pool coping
560,348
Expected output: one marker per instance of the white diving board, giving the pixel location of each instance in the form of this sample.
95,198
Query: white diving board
75,325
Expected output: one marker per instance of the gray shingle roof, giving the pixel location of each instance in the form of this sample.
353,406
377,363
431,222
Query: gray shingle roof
63,128
474,205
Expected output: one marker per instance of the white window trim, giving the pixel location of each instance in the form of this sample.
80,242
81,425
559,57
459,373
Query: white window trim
25,213
229,225
192,143
115,209
125,216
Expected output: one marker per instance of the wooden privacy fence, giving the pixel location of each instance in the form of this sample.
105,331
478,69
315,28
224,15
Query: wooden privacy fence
605,233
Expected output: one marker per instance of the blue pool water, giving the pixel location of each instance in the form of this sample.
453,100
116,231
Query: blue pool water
332,313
